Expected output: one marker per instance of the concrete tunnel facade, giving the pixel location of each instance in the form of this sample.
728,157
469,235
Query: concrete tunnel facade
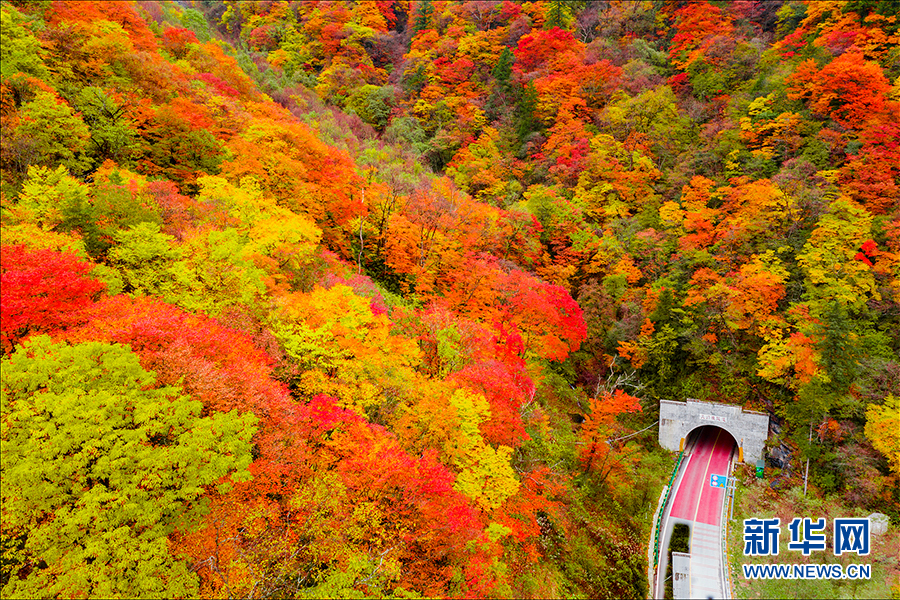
748,428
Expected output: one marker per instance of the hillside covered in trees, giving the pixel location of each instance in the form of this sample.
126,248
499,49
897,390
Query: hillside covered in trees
378,298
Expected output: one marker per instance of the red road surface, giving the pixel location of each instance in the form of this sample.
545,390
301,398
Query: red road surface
696,500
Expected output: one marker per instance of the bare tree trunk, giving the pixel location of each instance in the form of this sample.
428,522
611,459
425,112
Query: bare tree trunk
806,476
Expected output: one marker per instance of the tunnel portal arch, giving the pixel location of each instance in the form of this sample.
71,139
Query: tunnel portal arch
677,420
694,433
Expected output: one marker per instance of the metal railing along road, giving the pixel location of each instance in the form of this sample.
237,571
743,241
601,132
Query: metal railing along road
662,509
725,520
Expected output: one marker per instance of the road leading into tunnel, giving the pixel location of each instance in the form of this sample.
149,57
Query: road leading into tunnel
699,505
696,500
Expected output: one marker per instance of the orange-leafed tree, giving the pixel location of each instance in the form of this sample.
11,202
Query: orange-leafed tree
850,89
549,321
601,452
694,221
697,26
298,169
753,213
120,13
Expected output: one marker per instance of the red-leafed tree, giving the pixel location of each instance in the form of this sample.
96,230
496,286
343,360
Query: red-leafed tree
179,212
872,176
216,365
551,322
355,501
542,48
507,388
42,291
176,40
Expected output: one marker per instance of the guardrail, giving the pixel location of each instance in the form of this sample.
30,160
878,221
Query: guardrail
662,510
723,538
730,483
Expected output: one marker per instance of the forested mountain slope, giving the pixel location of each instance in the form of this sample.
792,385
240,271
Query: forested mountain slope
312,298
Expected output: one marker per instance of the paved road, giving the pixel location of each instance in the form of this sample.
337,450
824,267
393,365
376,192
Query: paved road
696,500
699,505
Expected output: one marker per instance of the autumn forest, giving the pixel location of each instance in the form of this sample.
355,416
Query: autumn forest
308,299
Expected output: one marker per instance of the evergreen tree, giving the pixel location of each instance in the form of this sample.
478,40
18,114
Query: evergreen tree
423,16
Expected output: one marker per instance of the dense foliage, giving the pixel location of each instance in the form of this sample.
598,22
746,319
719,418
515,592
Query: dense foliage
311,299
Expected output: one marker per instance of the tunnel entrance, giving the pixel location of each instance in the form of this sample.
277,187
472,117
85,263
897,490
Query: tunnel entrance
678,421
707,432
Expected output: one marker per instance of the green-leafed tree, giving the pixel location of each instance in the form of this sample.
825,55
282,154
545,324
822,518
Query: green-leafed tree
424,15
144,256
20,51
112,134
100,467
49,133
